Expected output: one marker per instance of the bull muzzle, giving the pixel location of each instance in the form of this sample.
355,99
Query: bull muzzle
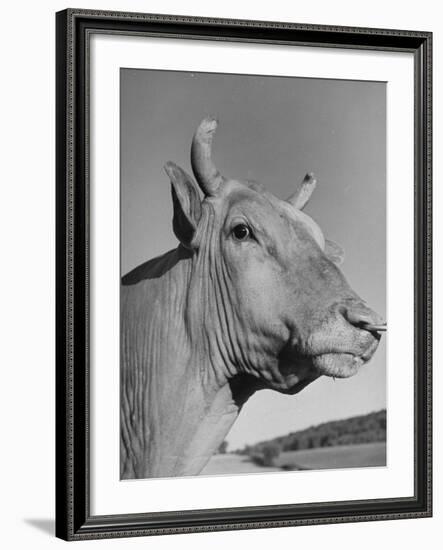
360,316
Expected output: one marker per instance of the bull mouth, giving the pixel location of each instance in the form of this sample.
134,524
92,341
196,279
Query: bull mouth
296,370
343,364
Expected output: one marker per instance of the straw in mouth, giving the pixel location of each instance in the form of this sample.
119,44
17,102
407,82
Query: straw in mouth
374,328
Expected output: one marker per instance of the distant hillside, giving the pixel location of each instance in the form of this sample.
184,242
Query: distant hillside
367,428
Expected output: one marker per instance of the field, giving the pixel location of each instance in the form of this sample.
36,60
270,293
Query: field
343,456
233,464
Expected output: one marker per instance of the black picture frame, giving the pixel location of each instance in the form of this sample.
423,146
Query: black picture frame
73,518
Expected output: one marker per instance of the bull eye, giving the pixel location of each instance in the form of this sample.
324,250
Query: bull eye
241,232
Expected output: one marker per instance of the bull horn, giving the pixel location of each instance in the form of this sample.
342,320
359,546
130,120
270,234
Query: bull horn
206,174
303,193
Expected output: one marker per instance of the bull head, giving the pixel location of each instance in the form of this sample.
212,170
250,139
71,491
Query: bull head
277,306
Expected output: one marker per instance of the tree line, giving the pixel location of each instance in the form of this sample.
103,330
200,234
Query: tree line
350,431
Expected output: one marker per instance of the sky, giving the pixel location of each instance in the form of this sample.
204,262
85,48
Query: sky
273,130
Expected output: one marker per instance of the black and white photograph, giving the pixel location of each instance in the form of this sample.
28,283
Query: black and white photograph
253,321
220,233
243,275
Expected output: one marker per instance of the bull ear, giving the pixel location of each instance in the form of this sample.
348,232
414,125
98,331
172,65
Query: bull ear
334,252
186,203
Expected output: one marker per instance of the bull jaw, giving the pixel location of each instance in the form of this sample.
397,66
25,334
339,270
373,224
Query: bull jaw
334,365
293,376
338,365
294,385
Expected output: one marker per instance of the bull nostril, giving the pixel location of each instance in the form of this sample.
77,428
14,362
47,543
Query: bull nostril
363,318
357,317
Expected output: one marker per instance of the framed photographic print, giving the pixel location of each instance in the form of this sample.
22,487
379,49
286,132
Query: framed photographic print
243,274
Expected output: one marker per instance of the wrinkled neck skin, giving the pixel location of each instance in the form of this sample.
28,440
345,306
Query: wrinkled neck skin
177,399
185,374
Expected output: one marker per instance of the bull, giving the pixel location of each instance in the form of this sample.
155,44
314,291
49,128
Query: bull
251,298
